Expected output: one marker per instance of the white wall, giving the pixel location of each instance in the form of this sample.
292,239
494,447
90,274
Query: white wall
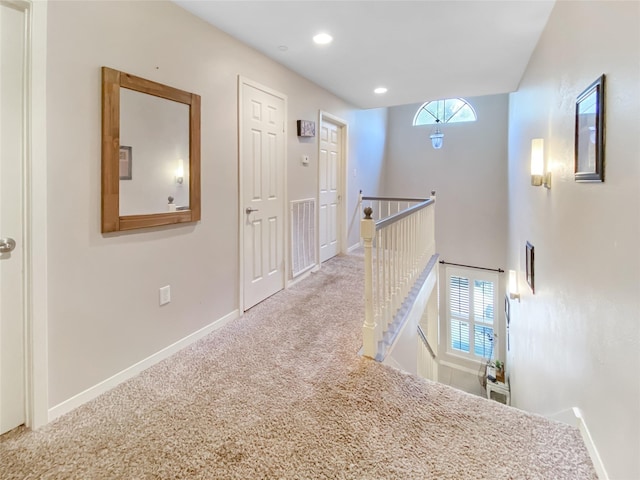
103,313
576,342
469,174
367,145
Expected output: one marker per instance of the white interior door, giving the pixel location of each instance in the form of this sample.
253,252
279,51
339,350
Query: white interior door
262,192
12,354
329,192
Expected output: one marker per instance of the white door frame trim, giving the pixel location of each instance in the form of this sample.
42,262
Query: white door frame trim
241,215
34,215
342,183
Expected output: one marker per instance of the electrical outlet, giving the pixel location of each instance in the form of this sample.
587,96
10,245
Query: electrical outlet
165,295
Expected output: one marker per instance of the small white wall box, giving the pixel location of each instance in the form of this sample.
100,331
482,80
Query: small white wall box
306,128
165,295
499,392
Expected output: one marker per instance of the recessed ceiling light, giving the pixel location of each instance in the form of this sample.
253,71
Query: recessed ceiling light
380,90
283,48
323,38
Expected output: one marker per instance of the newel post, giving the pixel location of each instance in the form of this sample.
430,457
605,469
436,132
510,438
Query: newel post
367,232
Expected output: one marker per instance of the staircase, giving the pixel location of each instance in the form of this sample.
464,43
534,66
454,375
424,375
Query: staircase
401,279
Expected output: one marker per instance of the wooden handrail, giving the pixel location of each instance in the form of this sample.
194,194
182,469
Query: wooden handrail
405,213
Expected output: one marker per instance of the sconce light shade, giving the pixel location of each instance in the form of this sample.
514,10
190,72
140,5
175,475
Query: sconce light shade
180,172
538,177
437,138
513,285
537,161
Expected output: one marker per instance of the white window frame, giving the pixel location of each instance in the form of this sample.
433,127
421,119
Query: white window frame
472,275
451,119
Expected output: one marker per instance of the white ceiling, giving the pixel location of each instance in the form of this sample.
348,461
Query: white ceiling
419,50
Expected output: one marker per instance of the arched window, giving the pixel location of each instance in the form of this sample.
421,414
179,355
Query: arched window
449,110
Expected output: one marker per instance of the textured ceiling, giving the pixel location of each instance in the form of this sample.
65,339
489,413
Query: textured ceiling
419,50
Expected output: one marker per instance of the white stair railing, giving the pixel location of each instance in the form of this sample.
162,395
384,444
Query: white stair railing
397,250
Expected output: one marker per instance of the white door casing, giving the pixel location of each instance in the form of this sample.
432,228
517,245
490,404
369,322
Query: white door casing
12,155
331,162
262,192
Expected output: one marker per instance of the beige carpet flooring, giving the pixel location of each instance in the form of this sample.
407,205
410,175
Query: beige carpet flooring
282,394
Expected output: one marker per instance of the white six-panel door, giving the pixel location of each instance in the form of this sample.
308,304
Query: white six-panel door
12,98
262,192
329,191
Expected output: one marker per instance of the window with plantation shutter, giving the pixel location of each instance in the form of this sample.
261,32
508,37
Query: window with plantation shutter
471,307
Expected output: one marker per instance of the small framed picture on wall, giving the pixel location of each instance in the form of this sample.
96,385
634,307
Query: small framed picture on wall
306,128
530,261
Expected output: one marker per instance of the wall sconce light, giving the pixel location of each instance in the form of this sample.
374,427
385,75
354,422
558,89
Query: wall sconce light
538,177
180,172
513,285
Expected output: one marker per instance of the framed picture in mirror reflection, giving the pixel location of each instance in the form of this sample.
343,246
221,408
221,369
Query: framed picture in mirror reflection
125,163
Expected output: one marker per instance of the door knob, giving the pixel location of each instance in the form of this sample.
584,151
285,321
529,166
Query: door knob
7,245
248,210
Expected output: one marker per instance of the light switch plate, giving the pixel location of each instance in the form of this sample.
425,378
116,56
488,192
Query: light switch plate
305,159
165,295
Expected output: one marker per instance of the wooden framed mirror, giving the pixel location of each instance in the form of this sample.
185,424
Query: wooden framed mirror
147,131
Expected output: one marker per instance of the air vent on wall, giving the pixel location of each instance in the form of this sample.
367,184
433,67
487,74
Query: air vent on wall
303,235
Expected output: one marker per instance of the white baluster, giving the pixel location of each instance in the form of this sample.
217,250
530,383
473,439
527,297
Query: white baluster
367,231
395,292
386,298
379,304
402,251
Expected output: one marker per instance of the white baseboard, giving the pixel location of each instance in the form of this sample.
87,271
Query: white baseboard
133,370
352,248
573,416
567,416
302,276
591,446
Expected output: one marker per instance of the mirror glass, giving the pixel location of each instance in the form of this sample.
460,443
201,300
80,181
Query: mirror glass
154,144
150,153
589,133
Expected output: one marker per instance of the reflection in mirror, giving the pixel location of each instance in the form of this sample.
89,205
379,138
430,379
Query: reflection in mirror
589,133
156,131
150,153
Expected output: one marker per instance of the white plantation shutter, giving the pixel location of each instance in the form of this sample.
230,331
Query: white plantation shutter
483,310
459,311
483,301
471,307
459,298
